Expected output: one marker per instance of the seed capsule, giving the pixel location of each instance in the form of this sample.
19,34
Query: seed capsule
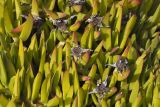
76,2
77,51
101,89
95,20
61,24
121,65
37,21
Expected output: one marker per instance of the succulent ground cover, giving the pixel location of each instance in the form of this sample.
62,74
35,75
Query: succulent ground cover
80,53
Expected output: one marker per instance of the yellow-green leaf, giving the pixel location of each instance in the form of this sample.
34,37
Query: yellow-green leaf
26,31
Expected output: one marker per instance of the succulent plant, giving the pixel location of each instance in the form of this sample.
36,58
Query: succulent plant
80,53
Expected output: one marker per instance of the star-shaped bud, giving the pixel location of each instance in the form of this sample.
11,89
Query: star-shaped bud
101,89
121,65
76,2
77,51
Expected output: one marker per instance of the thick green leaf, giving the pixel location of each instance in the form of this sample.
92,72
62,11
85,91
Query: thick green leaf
26,31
